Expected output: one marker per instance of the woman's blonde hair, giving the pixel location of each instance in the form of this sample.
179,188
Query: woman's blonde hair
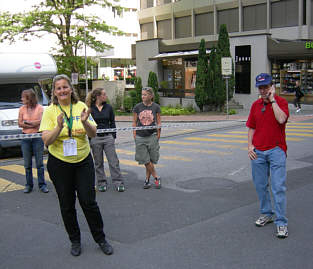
149,90
92,96
74,97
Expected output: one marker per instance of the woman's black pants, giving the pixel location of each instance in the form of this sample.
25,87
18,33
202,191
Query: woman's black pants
72,178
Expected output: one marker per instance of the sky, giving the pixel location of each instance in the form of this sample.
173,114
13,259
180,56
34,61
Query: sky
36,44
43,45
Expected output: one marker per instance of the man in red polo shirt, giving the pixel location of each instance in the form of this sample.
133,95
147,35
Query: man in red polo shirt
267,150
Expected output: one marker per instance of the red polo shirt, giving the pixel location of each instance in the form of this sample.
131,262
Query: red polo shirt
269,133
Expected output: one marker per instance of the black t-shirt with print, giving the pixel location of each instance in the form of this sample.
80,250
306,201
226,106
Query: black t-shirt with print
146,116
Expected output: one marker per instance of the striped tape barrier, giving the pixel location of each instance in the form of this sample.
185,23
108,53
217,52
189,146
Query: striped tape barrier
111,130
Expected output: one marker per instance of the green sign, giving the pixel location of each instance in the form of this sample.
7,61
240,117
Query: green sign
309,45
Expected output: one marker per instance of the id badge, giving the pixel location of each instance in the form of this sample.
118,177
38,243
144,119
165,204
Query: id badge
70,147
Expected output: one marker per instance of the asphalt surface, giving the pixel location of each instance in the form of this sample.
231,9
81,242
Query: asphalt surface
203,217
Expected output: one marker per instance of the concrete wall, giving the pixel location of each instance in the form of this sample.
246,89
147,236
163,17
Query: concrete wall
112,88
259,63
144,50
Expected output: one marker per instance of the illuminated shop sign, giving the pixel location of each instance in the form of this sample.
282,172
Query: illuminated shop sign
309,45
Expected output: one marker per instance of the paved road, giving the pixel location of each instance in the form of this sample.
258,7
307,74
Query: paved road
201,218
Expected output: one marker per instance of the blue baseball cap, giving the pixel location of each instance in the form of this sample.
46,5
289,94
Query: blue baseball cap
263,79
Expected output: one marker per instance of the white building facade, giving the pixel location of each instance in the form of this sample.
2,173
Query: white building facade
274,36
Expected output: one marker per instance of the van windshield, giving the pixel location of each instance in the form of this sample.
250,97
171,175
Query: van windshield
10,94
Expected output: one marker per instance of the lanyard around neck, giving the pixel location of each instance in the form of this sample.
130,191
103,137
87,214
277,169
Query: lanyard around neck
68,120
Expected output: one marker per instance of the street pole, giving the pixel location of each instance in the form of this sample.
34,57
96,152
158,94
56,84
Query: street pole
85,40
226,63
227,97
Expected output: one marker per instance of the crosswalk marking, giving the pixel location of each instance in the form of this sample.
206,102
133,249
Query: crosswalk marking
215,140
6,186
214,152
19,169
182,131
175,158
299,127
301,123
169,142
288,138
299,134
134,163
297,130
180,143
226,135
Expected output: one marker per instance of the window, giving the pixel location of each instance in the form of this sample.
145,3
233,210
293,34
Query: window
254,17
146,4
205,24
146,31
163,2
164,29
183,27
285,13
10,94
230,17
312,12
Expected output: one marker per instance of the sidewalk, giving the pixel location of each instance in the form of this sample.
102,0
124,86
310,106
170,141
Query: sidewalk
242,115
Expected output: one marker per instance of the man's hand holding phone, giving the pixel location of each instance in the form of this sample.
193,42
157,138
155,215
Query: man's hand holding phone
271,93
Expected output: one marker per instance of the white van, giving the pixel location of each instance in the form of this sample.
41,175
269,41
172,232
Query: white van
18,72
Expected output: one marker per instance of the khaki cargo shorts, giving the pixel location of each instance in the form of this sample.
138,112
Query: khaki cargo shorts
147,149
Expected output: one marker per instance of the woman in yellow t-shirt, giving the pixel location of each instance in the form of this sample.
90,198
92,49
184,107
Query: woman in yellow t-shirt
65,125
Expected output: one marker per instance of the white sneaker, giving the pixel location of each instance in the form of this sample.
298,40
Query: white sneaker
298,110
263,220
282,231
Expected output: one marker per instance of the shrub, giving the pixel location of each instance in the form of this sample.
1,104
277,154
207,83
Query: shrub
171,111
118,102
232,112
133,96
128,105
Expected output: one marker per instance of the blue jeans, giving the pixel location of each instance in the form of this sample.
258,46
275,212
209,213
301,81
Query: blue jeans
271,163
30,147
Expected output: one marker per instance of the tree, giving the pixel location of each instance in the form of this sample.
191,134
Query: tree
223,50
212,73
64,19
153,83
202,83
138,88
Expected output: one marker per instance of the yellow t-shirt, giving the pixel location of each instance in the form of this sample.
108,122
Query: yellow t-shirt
49,122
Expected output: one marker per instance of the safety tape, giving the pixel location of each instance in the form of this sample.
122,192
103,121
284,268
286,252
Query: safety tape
111,130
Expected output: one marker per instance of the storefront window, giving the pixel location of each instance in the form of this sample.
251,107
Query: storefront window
190,74
286,73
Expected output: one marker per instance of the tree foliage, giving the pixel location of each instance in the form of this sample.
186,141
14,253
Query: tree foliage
153,83
63,19
223,50
202,82
138,88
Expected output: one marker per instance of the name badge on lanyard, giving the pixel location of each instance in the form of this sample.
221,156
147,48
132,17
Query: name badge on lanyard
69,145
